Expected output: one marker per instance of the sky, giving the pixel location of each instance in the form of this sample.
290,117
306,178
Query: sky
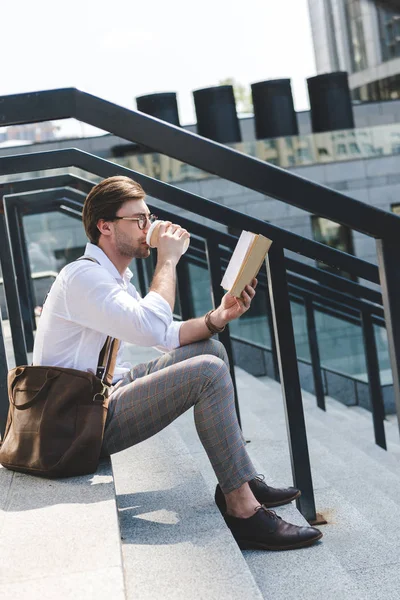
120,49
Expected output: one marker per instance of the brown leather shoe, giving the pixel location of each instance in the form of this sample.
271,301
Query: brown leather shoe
265,494
267,531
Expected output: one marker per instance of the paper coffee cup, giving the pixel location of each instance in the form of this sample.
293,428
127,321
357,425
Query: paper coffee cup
152,236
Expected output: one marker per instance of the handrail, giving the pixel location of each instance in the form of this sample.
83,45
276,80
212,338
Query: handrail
322,294
22,163
202,153
311,272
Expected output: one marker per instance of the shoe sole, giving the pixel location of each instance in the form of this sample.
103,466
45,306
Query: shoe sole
282,503
247,545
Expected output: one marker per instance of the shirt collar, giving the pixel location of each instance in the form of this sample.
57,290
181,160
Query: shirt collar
97,253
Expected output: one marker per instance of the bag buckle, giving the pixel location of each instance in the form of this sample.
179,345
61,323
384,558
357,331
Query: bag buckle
103,394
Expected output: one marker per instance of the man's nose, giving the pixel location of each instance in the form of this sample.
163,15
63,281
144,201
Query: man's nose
147,226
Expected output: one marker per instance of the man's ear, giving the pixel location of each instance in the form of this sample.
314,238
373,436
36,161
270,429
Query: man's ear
104,227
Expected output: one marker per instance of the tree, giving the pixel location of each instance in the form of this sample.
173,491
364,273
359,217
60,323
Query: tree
242,94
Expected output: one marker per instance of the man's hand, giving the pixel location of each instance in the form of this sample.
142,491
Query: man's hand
231,307
171,241
170,245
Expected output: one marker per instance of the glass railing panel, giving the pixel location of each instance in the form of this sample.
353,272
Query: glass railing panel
382,347
300,330
253,326
341,345
53,240
201,289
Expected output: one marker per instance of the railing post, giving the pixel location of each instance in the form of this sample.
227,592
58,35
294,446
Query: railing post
374,380
4,402
314,353
272,335
27,309
27,269
184,290
11,295
214,266
290,382
389,272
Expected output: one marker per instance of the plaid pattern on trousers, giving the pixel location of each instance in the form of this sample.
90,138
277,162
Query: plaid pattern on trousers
153,394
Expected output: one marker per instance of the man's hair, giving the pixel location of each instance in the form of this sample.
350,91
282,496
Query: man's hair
104,200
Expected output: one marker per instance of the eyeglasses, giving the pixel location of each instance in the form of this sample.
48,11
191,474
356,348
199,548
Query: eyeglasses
141,219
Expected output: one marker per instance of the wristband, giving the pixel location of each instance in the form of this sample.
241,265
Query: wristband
212,328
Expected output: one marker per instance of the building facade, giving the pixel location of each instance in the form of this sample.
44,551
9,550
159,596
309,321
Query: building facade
361,37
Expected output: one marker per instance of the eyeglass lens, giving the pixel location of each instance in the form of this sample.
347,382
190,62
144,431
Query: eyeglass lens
143,220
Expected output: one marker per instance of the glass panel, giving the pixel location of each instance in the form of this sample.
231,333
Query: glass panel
383,355
341,345
334,235
52,241
354,18
389,29
253,326
201,289
300,330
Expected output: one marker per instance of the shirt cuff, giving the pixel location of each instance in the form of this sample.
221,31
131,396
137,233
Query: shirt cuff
172,337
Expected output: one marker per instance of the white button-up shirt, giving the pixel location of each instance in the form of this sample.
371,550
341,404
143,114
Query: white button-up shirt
89,301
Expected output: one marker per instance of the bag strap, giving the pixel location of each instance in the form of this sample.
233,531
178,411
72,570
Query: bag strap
107,360
108,354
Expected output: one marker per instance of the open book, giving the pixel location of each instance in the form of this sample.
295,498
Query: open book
245,262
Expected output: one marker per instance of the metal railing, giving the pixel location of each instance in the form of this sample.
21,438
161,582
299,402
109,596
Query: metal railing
246,171
285,152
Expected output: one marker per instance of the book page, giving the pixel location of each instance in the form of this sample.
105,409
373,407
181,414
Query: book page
237,258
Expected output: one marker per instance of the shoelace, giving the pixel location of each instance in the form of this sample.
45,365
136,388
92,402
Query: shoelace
260,477
268,511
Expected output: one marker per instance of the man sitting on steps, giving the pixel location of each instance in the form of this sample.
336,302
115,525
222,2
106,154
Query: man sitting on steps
92,300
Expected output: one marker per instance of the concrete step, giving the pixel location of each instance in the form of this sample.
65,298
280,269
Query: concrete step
279,574
60,538
357,492
175,543
354,424
363,424
336,456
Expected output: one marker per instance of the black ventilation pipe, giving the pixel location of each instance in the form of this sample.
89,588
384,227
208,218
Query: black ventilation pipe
330,101
274,114
216,114
163,106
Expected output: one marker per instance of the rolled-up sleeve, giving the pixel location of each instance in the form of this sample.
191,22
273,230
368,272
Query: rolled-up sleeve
114,311
153,301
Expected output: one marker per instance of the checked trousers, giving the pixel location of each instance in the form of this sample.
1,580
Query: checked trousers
153,394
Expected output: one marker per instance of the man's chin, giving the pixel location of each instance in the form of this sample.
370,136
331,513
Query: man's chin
143,252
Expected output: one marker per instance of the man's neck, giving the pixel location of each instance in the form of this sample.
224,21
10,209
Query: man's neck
121,263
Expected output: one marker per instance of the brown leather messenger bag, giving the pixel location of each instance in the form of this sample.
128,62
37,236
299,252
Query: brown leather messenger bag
56,417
